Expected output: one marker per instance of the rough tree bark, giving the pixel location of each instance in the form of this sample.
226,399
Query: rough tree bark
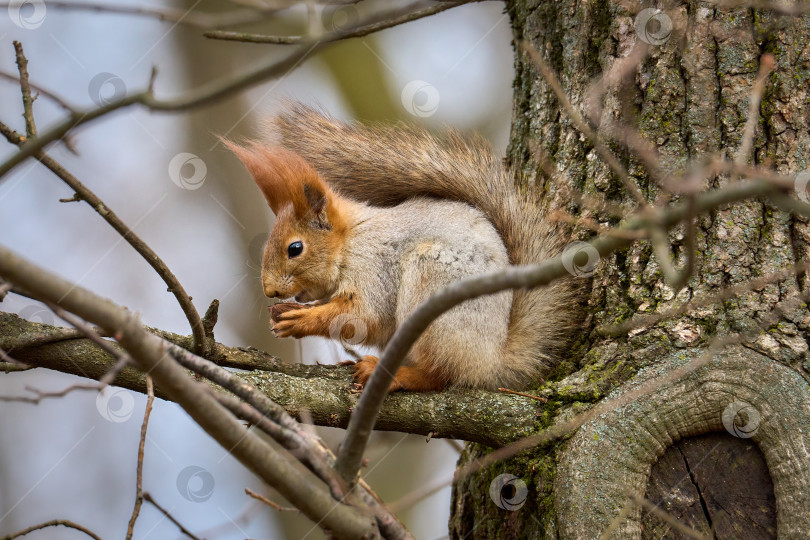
689,97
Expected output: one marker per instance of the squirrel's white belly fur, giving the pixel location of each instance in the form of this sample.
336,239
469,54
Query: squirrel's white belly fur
416,243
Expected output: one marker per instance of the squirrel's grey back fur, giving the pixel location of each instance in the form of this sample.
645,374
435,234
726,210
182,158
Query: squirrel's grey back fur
385,165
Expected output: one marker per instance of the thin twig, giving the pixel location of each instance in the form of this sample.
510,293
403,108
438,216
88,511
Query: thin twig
202,96
25,89
136,510
616,521
122,357
677,279
515,392
418,10
40,394
268,502
148,498
146,252
784,8
261,411
194,19
766,65
53,523
594,226
39,90
667,518
419,494
643,321
582,125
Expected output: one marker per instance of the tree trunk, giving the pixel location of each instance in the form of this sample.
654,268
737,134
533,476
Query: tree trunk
690,98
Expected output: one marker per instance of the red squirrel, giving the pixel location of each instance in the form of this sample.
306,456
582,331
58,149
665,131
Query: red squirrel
371,221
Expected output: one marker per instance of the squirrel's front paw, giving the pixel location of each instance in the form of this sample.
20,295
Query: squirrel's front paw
276,310
363,369
291,323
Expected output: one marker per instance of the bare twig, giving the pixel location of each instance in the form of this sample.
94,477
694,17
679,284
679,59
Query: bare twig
784,8
53,523
523,394
123,359
766,65
643,321
268,502
418,10
667,518
25,89
582,125
136,510
621,68
677,279
42,91
148,498
420,494
594,226
616,521
171,281
186,17
40,394
202,96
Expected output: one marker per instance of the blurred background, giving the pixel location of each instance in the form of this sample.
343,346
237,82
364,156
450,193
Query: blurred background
74,458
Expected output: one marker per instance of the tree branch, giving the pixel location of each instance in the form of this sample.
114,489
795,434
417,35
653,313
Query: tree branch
418,10
207,94
274,466
490,418
52,523
152,258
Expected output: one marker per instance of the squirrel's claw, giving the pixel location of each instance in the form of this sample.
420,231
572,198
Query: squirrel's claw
363,369
290,324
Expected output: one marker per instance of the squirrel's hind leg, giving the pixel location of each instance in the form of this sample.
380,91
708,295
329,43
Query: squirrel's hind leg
410,378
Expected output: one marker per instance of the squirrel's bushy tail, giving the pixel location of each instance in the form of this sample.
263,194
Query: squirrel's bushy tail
384,165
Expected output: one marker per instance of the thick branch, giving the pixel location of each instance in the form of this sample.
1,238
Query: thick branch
490,418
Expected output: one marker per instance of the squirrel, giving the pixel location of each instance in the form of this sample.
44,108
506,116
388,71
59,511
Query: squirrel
373,220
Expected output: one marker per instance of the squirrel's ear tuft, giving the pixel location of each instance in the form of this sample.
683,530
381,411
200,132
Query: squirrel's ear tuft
282,176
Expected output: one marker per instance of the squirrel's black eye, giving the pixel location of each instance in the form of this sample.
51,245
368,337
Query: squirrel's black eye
295,249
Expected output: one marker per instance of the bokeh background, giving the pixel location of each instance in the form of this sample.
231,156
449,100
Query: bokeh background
74,458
